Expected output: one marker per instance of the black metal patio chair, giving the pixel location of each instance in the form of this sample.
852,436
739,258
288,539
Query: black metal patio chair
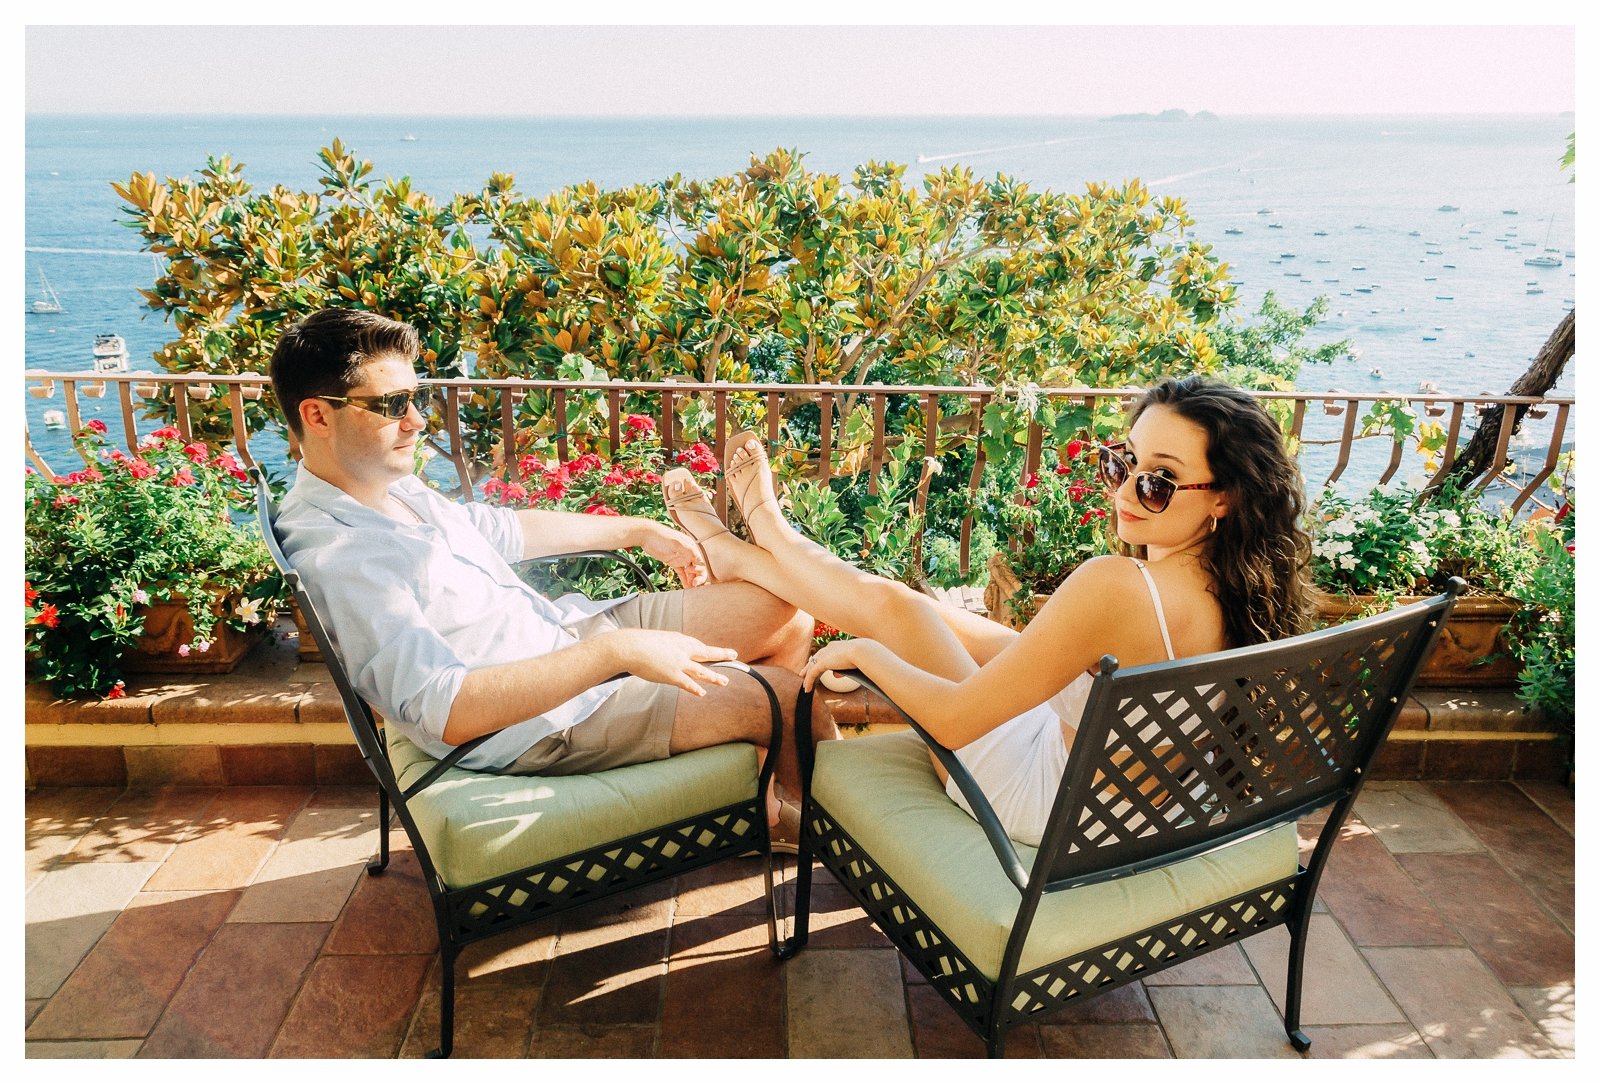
500,851
1173,831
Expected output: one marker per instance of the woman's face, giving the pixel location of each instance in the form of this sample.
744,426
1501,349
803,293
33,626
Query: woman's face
1166,443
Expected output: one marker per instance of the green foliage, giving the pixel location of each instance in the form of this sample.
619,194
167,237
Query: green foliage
1570,159
1055,519
1269,352
102,542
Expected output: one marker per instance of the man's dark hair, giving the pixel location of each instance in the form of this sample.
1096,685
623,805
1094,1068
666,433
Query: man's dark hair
323,355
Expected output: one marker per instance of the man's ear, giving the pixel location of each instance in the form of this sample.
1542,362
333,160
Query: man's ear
316,415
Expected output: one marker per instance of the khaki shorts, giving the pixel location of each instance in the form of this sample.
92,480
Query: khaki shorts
633,724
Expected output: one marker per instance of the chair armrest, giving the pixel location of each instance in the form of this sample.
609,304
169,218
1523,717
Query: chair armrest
1005,850
640,577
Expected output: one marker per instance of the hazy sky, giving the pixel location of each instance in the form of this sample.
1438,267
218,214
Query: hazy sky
720,69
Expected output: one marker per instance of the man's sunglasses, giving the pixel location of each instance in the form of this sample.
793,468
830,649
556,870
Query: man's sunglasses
391,406
1153,490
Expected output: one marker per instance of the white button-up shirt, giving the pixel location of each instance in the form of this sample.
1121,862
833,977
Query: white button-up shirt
412,608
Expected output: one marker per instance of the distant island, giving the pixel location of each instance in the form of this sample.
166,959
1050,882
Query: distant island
1166,116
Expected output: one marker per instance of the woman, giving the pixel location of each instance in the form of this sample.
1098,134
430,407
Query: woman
1208,507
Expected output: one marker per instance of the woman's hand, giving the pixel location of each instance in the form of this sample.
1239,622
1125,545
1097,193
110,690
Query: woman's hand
836,655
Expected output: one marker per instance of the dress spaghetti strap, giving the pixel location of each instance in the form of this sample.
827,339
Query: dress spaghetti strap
1161,614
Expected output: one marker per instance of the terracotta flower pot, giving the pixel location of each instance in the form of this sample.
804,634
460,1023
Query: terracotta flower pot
1005,598
167,627
309,652
1475,631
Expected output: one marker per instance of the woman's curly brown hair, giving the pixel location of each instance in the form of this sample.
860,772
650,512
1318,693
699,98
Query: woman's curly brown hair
1258,556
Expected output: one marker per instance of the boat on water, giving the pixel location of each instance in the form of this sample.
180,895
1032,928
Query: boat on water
1451,266
55,419
110,354
1274,225
1448,207
1414,233
1428,387
1542,261
1430,338
1319,233
1535,290
1444,297
1231,230
1435,251
47,302
1285,255
408,138
1376,374
1363,289
1264,211
1508,212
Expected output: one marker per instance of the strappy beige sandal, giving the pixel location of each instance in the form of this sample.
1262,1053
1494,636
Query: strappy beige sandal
739,467
692,512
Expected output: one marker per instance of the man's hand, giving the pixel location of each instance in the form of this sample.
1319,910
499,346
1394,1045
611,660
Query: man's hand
669,658
676,550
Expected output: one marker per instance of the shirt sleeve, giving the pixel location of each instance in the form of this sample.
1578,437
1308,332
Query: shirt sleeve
500,526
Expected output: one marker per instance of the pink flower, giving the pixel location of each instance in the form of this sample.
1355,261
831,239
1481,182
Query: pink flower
182,478
516,492
140,597
96,425
183,649
614,477
166,432
1077,491
64,501
202,646
598,509
139,468
1083,520
1062,468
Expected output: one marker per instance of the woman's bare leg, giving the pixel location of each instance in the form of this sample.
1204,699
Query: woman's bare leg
807,576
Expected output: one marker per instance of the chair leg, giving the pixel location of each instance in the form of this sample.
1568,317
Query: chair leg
1299,932
377,865
785,950
447,1003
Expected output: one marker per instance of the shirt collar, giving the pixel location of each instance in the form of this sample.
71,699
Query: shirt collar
329,498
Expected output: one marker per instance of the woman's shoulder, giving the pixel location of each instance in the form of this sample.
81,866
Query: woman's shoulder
1108,572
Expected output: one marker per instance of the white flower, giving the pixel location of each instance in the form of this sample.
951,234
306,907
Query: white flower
248,611
140,597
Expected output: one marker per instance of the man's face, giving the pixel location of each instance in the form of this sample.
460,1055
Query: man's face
367,443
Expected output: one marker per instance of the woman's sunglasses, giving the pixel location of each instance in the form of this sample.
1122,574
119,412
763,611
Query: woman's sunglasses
1153,490
392,406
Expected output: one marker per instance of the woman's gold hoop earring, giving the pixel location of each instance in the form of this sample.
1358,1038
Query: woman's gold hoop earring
1213,524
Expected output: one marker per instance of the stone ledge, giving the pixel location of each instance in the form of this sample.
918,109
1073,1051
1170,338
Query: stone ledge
276,719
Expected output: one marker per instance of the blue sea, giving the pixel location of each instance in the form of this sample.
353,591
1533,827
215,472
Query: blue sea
1350,208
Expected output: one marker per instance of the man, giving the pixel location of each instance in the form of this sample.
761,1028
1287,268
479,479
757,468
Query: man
440,635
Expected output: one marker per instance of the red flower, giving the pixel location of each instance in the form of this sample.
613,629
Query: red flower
63,501
698,457
601,510
530,464
586,462
95,425
1572,547
494,487
182,478
555,491
167,432
1062,468
516,492
614,477
1083,520
821,629
1566,509
638,426
197,452
116,692
48,616
139,468
1077,491
28,593
1030,481
1075,448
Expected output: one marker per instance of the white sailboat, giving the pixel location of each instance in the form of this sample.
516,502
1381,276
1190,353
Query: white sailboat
47,301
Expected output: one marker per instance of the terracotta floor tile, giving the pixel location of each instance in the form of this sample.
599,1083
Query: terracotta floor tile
1408,817
67,910
937,1031
1496,916
1374,899
724,991
1555,799
1533,847
1366,1041
353,1007
1457,1005
597,980
489,1023
362,797
55,819
310,874
518,957
1553,1009
626,1041
230,841
238,993
1225,966
821,980
1103,1041
836,921
1221,1022
734,887
93,1048
1337,988
640,911
31,1008
387,914
142,825
124,984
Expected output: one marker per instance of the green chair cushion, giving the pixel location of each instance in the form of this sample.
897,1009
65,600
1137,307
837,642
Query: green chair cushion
882,790
480,826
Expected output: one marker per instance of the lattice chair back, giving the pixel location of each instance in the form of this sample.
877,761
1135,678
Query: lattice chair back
1175,758
362,723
